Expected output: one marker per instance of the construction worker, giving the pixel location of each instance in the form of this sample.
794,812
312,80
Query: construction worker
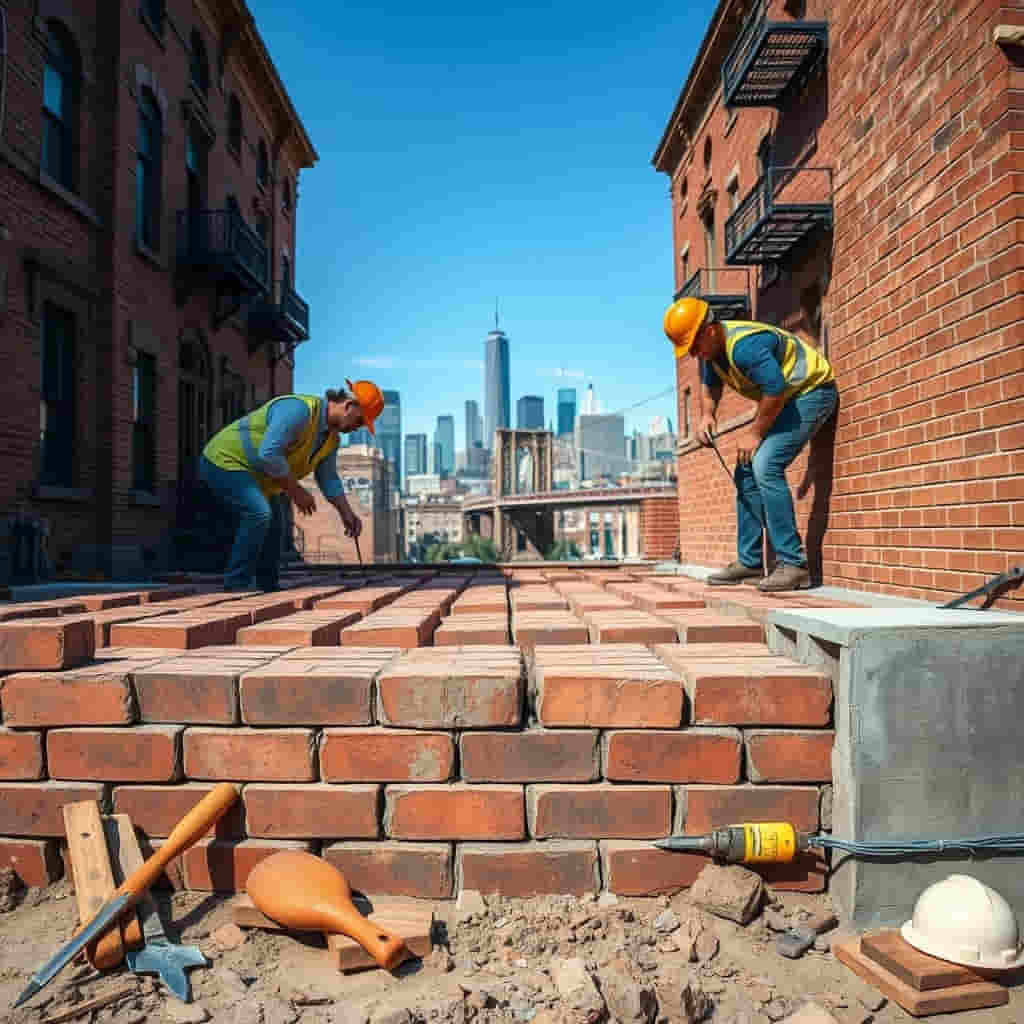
266,453
795,391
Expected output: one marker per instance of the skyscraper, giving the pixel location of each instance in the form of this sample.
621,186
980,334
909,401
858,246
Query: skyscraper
444,446
415,454
497,399
389,432
474,425
530,413
566,411
601,445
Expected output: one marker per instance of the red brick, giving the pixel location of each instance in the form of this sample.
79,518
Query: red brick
189,690
45,645
103,621
452,687
419,870
183,631
482,628
549,626
305,629
21,754
171,592
386,755
482,600
807,872
36,862
311,811
101,602
364,600
157,809
15,610
702,627
687,755
533,755
522,870
144,753
632,868
704,808
393,627
249,755
223,865
265,608
628,627
789,756
599,811
454,812
535,598
34,808
605,685
98,695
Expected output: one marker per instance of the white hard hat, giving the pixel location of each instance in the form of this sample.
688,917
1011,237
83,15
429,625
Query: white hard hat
965,922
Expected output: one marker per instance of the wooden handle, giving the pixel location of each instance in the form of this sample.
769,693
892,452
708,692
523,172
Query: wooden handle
387,948
193,826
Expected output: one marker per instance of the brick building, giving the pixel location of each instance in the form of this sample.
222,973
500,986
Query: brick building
861,184
149,165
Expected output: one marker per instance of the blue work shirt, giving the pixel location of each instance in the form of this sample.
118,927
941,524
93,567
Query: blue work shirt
754,356
286,420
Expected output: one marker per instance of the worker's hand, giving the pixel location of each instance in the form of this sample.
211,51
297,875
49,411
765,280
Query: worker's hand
302,499
353,524
746,446
706,430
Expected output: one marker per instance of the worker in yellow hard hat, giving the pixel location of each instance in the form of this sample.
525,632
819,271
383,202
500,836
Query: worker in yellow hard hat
795,391
266,453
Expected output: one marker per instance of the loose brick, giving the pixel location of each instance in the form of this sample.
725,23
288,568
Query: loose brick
386,755
145,753
249,755
393,627
599,811
631,868
305,629
535,598
697,626
689,755
36,862
522,870
364,600
223,865
182,631
311,811
789,755
454,812
103,621
190,691
97,695
628,627
157,809
535,755
453,687
45,645
606,685
419,870
549,626
34,808
21,755
490,628
314,686
482,600
704,808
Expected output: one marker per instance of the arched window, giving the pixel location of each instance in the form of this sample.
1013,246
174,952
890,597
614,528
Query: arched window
153,12
286,271
707,154
263,168
682,190
60,103
147,171
235,125
198,64
286,195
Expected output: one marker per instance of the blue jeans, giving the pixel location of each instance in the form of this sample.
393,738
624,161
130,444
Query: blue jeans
763,499
256,550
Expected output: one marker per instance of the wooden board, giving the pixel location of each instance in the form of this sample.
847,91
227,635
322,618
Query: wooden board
971,996
126,857
413,921
94,880
917,969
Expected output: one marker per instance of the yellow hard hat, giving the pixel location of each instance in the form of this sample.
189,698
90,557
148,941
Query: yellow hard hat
370,400
683,319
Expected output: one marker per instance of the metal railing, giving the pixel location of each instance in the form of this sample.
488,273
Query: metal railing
221,238
295,308
725,289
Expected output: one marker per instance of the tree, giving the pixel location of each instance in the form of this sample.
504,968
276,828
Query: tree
475,546
563,551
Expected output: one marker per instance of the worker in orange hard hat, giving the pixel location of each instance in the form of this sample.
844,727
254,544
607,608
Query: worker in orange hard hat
795,391
266,453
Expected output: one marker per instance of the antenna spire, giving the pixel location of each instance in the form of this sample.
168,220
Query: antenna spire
495,312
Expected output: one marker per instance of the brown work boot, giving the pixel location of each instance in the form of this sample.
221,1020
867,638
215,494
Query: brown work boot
785,577
734,572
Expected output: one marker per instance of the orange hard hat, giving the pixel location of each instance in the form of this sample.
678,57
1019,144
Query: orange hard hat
370,400
683,319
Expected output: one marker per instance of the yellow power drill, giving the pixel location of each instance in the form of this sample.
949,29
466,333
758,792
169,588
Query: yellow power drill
771,842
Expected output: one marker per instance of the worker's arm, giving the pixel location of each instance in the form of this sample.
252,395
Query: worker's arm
286,420
755,357
331,488
708,396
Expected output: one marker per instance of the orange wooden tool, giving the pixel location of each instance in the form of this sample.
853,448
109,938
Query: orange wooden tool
306,893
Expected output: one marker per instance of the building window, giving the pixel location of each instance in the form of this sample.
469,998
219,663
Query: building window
60,100
286,271
198,64
235,126
195,172
707,154
286,196
153,12
144,422
263,167
708,220
733,192
147,172
57,398
194,392
232,397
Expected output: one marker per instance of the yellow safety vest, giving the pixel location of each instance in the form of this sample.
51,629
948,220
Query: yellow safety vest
236,446
803,366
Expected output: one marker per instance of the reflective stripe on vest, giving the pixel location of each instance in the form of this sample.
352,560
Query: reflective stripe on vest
236,446
803,366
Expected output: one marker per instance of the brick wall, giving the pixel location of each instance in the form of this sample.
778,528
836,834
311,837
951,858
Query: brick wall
659,527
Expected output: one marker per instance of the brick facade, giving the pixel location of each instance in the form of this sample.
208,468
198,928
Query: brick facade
72,256
916,294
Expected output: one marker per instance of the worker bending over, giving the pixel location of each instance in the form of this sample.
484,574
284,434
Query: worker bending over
266,453
795,391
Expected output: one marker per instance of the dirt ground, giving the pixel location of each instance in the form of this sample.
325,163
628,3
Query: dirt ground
550,960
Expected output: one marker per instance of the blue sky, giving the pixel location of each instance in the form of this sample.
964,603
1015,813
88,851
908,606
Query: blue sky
471,151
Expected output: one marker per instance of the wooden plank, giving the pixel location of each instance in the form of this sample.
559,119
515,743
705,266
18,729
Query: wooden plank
972,996
88,1005
94,879
413,921
917,969
125,857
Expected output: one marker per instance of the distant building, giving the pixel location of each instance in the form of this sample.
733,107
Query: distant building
415,455
566,411
434,516
530,413
497,396
601,445
444,446
423,483
474,425
389,432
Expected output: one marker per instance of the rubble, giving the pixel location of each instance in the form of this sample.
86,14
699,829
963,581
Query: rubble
11,890
730,891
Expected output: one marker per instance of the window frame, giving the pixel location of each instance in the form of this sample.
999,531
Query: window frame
199,61
235,128
64,61
149,174
262,165
144,423
59,406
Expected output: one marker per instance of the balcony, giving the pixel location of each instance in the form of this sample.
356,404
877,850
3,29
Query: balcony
725,289
771,59
785,206
286,320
